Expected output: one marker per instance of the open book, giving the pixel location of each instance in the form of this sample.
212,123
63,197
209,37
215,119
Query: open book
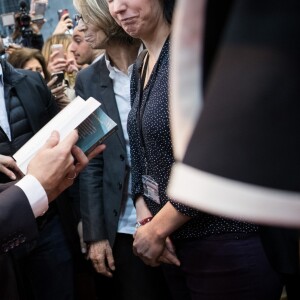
93,125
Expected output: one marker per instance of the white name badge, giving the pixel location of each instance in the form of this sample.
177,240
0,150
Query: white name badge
150,188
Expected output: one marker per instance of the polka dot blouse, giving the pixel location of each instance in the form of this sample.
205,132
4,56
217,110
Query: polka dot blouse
152,153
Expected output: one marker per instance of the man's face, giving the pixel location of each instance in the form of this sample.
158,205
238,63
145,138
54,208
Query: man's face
82,51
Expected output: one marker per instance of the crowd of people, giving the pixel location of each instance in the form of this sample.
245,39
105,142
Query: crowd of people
113,231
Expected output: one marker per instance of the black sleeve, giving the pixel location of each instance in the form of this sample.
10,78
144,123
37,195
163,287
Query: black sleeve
17,221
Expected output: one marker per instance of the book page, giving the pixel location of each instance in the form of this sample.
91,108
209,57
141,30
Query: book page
64,122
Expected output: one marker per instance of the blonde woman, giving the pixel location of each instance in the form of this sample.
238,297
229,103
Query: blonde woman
61,63
107,210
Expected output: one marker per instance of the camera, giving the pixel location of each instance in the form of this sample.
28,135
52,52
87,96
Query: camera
24,21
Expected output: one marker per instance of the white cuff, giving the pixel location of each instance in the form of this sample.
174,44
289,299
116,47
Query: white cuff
234,199
35,194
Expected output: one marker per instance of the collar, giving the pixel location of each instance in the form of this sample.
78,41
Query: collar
1,75
10,75
113,69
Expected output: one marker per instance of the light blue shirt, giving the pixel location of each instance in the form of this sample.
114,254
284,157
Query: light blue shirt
3,113
121,86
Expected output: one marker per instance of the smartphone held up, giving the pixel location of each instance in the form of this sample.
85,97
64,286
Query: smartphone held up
59,49
61,13
37,11
60,78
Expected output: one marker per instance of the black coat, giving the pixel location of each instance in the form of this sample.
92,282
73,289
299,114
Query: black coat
104,180
249,126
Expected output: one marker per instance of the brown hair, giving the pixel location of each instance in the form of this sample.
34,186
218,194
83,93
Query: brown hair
20,57
97,13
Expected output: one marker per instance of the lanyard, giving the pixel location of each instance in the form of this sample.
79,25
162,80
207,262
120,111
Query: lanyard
141,108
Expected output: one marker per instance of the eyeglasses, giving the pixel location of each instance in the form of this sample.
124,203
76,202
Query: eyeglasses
77,18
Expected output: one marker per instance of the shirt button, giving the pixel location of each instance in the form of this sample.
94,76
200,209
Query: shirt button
122,157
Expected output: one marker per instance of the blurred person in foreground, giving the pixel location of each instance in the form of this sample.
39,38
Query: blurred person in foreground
107,210
242,160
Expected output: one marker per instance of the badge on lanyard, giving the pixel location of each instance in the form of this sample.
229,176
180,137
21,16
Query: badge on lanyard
150,188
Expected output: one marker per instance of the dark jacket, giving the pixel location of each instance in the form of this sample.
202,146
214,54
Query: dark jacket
17,221
28,89
30,102
249,125
103,182
40,107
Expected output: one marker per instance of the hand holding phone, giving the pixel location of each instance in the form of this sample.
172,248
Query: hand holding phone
38,11
59,48
62,12
60,78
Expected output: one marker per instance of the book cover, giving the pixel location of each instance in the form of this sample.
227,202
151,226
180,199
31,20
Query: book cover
94,130
92,123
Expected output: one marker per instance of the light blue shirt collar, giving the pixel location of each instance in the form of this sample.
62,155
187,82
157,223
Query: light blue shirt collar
3,113
1,75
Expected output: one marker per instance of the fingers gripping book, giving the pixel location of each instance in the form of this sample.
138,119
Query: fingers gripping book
92,123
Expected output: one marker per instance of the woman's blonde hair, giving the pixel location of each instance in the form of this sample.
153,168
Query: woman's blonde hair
97,13
64,39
